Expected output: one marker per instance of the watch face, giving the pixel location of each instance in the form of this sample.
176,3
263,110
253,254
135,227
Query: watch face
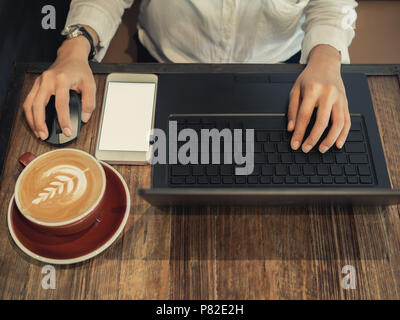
69,30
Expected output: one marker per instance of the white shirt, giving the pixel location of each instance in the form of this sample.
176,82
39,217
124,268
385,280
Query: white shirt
225,31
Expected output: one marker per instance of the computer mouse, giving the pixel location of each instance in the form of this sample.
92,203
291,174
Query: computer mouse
56,136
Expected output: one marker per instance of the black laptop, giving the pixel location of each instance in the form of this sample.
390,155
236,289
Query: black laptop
356,174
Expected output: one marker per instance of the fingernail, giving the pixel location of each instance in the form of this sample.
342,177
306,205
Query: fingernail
323,149
86,116
307,148
290,125
295,145
340,144
67,131
36,134
42,135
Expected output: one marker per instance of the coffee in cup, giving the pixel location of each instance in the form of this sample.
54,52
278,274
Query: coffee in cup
60,187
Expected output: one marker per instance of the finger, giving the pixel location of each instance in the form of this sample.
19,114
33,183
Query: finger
321,123
28,106
336,127
62,107
303,118
88,99
294,102
346,129
39,117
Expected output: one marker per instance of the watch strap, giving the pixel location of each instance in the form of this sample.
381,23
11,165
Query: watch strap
90,39
86,34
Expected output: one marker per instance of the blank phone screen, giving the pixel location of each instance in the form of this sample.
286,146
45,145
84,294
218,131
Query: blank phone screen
127,117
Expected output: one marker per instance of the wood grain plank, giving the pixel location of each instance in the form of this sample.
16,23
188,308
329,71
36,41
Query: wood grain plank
192,260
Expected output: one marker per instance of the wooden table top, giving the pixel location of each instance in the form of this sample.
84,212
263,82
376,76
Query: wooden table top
217,253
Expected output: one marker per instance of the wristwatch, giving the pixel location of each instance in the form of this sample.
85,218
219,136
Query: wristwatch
76,30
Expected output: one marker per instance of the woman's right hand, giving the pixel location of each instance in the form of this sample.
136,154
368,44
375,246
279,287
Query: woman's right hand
70,71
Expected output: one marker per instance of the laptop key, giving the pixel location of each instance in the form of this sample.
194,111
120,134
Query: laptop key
240,179
190,180
261,136
327,180
340,180
300,158
265,180
287,158
355,136
252,180
315,180
355,147
355,125
202,180
180,170
341,158
273,158
322,170
281,170
275,137
352,180
366,180
178,180
256,170
294,170
336,170
302,180
277,180
198,170
364,170
283,147
227,180
309,170
258,147
269,147
267,170
328,158
290,180
358,159
350,170
286,136
212,170
226,170
259,158
215,179
314,158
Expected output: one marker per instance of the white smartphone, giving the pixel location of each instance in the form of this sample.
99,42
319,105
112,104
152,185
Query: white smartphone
127,117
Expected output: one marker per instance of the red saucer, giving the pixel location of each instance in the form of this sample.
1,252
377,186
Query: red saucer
81,246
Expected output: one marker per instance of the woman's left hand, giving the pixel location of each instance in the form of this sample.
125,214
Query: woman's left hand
320,85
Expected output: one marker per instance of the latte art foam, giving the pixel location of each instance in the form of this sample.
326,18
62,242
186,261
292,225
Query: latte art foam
60,186
68,185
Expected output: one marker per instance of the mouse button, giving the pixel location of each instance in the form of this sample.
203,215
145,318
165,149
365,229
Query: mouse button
53,139
75,118
64,139
50,113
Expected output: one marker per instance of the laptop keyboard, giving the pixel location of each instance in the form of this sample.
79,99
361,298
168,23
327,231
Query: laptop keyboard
275,163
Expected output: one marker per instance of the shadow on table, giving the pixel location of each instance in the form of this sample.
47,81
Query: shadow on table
316,233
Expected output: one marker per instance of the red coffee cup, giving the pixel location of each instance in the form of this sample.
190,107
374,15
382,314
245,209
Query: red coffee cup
76,224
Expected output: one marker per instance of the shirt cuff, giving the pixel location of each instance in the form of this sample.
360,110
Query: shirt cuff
338,38
96,18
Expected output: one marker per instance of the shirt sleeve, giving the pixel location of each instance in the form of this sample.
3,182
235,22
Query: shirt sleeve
329,22
104,16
